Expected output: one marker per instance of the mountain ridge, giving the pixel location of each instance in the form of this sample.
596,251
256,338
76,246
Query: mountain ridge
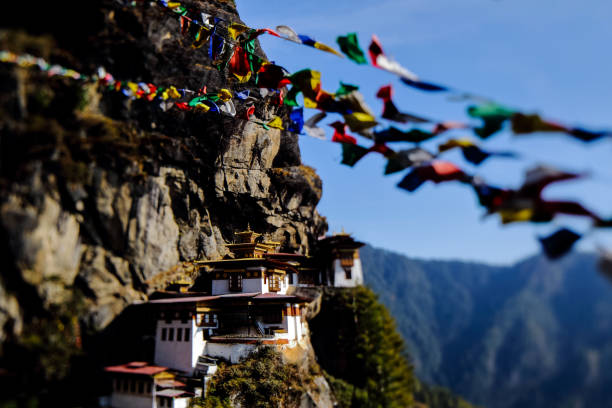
501,331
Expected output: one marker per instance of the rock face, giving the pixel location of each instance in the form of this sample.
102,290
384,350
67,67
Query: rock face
110,198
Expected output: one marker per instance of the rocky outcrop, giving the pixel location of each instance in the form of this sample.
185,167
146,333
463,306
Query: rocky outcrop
106,199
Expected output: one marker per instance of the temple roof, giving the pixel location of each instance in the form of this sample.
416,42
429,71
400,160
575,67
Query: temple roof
229,296
342,240
136,367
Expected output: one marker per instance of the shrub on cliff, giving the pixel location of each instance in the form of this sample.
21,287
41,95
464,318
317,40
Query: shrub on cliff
260,380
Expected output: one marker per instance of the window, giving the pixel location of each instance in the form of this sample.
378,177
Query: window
179,334
290,279
125,384
164,335
171,334
274,283
184,317
235,282
347,273
132,386
272,315
187,333
140,387
148,388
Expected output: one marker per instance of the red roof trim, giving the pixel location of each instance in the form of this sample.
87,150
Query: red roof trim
139,370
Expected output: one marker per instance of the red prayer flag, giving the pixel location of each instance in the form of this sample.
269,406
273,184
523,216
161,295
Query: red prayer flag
239,63
249,111
182,106
385,93
340,135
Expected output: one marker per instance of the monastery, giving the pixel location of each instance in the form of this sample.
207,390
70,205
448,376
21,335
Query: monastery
235,305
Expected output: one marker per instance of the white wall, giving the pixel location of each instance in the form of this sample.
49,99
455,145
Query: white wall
340,275
198,343
181,402
220,286
179,355
231,352
252,285
121,400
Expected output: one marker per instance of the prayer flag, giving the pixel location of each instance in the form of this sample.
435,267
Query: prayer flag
411,181
249,111
306,81
352,102
522,123
423,86
537,178
437,171
587,135
228,108
346,89
349,45
391,112
380,60
340,135
407,158
239,64
276,123
272,76
311,128
393,134
559,243
493,117
235,30
288,33
352,153
358,121
296,118
471,151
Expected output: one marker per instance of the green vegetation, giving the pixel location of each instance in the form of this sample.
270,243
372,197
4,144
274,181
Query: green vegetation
525,335
261,380
439,397
357,344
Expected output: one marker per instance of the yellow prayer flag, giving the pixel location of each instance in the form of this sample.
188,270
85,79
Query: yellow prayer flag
309,103
276,123
204,108
132,86
173,93
243,78
323,47
452,143
235,29
358,121
225,95
508,216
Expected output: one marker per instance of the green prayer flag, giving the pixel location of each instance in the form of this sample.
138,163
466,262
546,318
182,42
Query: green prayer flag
493,117
352,153
346,89
196,101
349,45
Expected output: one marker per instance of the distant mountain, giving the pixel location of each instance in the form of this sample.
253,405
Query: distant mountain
535,334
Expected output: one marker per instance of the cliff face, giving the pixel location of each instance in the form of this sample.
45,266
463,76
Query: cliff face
104,199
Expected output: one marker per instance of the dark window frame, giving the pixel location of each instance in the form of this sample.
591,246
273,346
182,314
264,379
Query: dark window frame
235,282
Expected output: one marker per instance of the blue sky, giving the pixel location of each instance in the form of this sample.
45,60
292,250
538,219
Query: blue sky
549,57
